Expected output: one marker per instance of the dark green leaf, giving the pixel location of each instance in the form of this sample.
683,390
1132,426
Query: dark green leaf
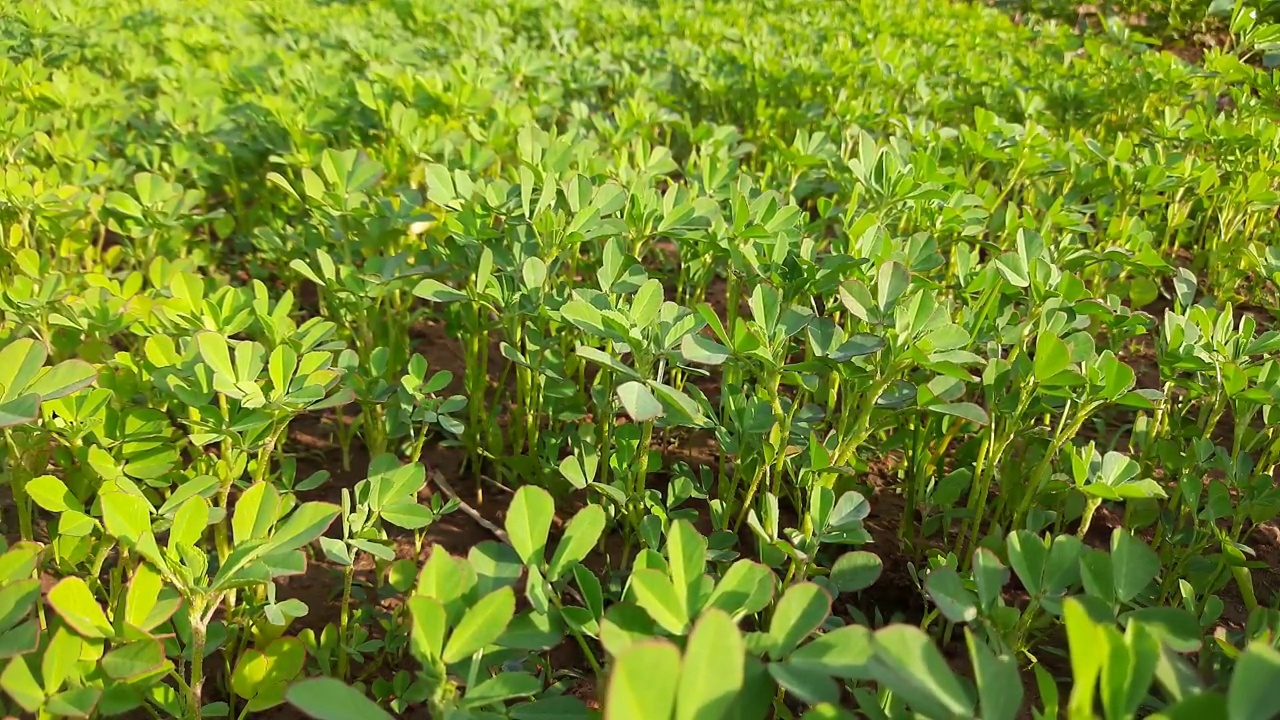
856,570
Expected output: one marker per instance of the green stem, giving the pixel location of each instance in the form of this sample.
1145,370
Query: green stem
1091,506
194,701
344,617
415,454
979,489
264,455
1065,432
639,481
18,483
582,642
752,489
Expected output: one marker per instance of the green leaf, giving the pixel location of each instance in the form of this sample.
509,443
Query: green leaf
135,660
856,570
189,522
758,692
686,558
713,668
21,684
605,360
966,410
801,610
19,561
426,633
990,576
75,703
892,280
281,365
279,181
844,653
1088,651
325,698
214,352
148,601
126,516
1128,671
643,683
63,379
51,494
703,350
907,661
579,539
686,410
1254,693
256,511
304,525
17,598
447,579
654,592
746,588
74,602
408,515
1173,626
999,687
264,674
584,316
482,624
20,363
639,401
496,565
1202,706
1052,356
1134,564
1027,555
555,707
500,688
533,630
529,522
534,273
123,203
205,486
241,567
20,640
811,687
439,184
646,303
898,394
20,410
858,345
1014,269
60,657
951,596
436,291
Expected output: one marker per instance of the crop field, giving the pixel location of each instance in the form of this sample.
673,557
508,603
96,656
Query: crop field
639,360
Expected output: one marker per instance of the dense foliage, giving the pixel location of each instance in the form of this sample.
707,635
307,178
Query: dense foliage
796,359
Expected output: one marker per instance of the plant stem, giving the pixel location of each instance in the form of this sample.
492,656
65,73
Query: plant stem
1090,507
638,481
18,483
198,630
754,487
582,642
344,616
